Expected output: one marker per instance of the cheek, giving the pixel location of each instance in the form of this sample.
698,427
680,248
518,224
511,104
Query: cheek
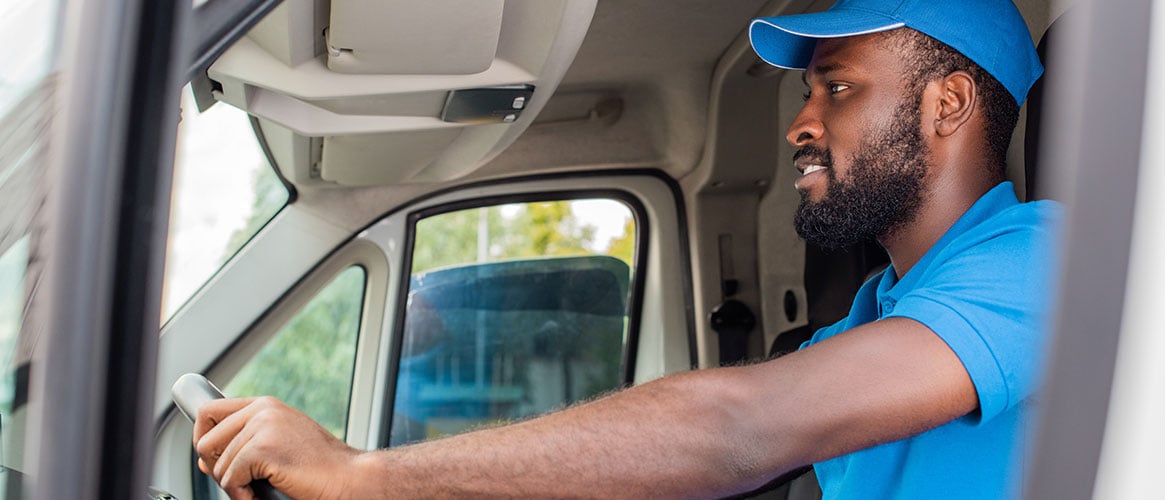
852,123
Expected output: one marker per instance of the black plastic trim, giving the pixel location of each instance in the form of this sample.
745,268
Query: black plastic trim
143,217
257,128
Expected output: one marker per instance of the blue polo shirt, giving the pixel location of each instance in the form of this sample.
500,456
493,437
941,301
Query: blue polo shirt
986,289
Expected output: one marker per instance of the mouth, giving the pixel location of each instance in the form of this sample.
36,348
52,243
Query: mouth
810,168
812,172
812,162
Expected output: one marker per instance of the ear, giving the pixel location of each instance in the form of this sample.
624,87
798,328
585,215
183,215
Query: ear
956,102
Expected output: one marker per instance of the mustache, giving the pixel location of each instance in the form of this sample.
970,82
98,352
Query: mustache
818,155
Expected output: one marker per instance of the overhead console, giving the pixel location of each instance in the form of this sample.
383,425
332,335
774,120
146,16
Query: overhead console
374,92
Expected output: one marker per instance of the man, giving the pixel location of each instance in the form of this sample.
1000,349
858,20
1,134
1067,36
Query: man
922,392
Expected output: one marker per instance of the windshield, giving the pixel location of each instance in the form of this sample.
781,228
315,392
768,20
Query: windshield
225,190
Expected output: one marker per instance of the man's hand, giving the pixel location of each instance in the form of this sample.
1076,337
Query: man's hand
242,440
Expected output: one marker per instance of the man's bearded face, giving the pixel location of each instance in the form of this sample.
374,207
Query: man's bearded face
881,190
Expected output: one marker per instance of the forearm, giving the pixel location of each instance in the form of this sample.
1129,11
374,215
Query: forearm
673,437
699,434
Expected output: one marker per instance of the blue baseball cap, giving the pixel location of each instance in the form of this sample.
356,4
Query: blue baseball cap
989,32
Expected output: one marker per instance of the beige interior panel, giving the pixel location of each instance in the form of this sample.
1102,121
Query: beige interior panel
361,160
292,32
783,252
433,37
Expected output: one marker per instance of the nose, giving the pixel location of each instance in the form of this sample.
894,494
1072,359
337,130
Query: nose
807,127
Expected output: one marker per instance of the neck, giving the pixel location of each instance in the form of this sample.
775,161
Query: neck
944,202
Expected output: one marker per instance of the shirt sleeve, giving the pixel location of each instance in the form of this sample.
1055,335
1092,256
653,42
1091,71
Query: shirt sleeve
824,333
989,299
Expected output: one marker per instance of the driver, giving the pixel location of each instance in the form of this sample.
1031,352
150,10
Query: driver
924,391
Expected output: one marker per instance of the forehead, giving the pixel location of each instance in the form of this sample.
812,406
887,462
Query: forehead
870,56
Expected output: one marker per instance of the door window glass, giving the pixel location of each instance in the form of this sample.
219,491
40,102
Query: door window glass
512,310
29,103
225,190
308,364
12,268
14,363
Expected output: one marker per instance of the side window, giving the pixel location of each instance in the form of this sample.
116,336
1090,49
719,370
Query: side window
513,310
29,108
14,360
309,363
13,264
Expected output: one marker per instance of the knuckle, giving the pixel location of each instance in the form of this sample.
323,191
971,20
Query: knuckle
267,411
204,448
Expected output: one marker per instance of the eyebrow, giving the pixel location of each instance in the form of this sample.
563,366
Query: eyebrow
821,70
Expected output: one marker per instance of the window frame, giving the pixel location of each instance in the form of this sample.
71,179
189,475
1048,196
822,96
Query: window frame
636,285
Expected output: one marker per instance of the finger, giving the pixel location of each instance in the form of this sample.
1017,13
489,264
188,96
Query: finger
214,411
206,461
236,471
228,421
240,493
230,453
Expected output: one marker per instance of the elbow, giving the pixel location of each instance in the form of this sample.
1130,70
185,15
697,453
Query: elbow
757,434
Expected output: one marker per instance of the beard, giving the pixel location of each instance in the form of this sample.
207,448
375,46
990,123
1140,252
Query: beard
882,191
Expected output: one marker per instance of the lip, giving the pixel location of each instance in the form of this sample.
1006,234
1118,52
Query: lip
810,165
812,172
812,168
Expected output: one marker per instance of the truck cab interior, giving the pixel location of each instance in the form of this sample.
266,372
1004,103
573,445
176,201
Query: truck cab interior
409,219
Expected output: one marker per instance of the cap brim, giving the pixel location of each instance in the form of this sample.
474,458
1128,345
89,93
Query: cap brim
788,41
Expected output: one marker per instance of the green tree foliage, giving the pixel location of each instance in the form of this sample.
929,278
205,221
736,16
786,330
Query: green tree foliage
622,247
450,239
538,229
309,363
549,229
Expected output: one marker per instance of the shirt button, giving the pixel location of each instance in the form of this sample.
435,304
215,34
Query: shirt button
887,306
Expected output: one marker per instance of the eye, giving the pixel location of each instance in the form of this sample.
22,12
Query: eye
837,87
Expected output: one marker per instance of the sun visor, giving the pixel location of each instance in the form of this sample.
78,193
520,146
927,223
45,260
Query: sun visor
429,37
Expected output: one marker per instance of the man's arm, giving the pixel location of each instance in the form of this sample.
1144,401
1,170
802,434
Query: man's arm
702,433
